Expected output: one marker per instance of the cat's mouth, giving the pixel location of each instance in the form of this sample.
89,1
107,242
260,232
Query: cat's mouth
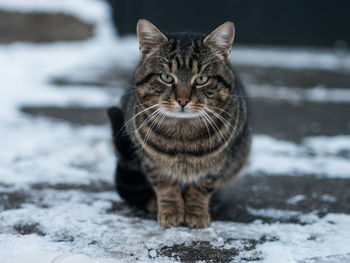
181,114
178,112
174,110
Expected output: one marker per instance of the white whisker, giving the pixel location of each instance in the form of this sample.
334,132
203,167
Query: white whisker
206,125
216,127
148,119
224,121
126,123
150,130
157,115
225,112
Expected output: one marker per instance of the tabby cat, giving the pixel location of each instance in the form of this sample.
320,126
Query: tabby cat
182,129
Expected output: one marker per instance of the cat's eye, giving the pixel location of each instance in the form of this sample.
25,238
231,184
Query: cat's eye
201,80
167,78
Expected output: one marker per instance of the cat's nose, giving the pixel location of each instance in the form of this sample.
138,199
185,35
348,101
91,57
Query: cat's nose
183,101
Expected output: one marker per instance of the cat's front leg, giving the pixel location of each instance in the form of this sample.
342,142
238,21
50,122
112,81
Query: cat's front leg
171,208
197,196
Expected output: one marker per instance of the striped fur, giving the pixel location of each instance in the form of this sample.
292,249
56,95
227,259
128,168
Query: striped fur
184,152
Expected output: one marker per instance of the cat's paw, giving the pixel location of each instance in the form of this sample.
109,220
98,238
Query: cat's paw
170,216
197,219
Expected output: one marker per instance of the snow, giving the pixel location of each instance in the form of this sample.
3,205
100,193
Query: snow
291,57
296,199
319,156
38,151
58,155
312,94
101,236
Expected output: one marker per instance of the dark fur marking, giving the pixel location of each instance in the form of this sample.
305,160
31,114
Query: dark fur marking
144,80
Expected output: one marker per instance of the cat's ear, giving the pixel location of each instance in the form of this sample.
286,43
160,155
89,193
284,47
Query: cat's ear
149,36
222,38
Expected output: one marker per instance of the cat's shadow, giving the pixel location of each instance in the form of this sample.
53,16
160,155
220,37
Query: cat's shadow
225,205
251,198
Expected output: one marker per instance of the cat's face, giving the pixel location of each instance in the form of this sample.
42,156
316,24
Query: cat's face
184,76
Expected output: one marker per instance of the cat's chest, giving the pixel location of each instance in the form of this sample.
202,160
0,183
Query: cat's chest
187,168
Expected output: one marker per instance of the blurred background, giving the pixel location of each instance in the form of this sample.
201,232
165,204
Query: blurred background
269,22
63,62
288,53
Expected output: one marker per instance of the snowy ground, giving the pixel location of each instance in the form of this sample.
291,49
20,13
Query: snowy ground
292,203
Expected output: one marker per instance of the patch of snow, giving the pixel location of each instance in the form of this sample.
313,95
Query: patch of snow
296,199
275,157
316,94
318,240
328,198
328,145
35,152
335,258
274,213
45,257
103,236
284,214
291,57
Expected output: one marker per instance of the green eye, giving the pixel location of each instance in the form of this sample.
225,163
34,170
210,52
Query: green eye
166,78
201,80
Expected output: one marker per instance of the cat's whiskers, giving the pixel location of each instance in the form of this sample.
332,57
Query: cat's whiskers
200,121
150,130
224,121
160,120
130,91
147,120
233,117
132,118
206,125
212,122
208,120
142,146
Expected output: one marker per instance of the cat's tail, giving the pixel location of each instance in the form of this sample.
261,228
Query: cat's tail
131,183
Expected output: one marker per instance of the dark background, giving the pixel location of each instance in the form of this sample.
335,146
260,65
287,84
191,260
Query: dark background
288,22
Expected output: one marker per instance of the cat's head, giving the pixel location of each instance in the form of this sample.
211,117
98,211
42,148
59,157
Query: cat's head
184,75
